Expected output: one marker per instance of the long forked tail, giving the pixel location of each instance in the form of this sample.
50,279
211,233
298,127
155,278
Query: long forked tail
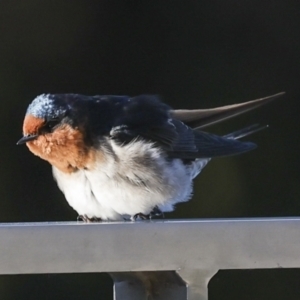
200,118
245,131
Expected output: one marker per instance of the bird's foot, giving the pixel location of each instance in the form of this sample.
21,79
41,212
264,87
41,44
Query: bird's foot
86,219
156,212
141,216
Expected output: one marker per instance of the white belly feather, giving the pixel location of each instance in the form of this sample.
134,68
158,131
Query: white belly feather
134,179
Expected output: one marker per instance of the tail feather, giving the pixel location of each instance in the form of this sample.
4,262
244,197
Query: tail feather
200,118
245,131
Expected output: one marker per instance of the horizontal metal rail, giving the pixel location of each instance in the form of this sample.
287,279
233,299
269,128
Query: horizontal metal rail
189,251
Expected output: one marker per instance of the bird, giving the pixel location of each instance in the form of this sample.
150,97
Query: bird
128,158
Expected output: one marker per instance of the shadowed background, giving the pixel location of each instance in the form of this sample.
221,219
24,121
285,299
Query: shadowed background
194,54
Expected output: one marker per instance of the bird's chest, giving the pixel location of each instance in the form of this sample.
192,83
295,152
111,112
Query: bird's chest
135,179
94,194
88,193
109,191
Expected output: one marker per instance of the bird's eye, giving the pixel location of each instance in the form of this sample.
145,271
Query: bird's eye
48,127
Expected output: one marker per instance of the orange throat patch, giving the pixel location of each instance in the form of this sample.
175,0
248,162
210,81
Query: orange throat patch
64,148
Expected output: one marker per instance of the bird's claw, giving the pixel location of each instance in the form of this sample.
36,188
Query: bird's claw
156,212
141,216
86,219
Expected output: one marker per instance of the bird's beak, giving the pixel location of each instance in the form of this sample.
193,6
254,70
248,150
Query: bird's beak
27,138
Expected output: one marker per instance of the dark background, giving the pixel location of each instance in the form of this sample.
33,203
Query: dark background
195,54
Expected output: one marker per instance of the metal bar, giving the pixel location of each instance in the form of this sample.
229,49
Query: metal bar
195,249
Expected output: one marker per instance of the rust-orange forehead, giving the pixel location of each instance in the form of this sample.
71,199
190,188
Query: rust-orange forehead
32,124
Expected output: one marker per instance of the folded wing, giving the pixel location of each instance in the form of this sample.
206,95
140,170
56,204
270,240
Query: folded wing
180,136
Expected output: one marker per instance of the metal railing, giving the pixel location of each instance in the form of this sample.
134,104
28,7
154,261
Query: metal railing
151,259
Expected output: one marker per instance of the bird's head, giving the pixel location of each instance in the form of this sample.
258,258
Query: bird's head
46,114
50,132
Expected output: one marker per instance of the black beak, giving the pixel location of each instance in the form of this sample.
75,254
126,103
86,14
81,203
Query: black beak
27,138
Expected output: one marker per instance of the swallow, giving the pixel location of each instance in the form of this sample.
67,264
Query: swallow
121,157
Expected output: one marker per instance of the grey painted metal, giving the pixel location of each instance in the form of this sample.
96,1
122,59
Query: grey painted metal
195,249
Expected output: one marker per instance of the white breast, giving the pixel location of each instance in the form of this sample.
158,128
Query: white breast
132,179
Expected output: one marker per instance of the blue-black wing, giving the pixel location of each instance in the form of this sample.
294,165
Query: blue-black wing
145,117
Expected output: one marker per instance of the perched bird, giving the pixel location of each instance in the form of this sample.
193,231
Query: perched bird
118,157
